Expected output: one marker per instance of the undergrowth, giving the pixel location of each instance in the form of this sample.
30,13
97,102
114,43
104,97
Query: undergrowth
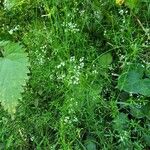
77,52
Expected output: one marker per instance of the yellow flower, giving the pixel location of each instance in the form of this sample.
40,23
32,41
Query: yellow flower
119,2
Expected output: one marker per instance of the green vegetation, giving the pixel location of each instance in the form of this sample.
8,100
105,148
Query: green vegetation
88,87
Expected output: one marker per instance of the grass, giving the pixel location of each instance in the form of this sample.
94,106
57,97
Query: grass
77,50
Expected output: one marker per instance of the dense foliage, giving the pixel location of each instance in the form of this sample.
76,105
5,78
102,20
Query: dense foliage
89,85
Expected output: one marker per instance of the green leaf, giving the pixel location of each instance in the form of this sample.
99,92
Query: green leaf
136,112
90,143
105,60
132,81
147,72
145,87
13,74
132,4
147,139
120,122
146,110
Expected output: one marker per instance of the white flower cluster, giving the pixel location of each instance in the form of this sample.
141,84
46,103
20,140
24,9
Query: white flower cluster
70,120
82,12
40,55
123,12
98,15
124,137
72,27
16,28
62,64
71,117
94,71
76,72
73,73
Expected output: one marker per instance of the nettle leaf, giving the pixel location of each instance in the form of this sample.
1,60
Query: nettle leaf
13,74
132,81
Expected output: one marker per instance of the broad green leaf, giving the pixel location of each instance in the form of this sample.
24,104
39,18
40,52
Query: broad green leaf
13,74
145,87
90,143
105,60
132,81
128,82
146,110
147,72
136,112
147,139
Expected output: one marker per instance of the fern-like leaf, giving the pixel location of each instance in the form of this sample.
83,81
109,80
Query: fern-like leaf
13,74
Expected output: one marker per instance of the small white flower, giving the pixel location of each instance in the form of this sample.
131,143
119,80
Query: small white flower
81,64
32,138
72,59
123,21
16,28
75,119
11,31
81,59
62,64
67,120
121,12
94,72
82,12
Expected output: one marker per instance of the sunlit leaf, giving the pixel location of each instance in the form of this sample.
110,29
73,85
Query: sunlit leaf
13,74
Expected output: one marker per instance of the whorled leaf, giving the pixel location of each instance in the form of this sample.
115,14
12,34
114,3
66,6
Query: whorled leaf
13,74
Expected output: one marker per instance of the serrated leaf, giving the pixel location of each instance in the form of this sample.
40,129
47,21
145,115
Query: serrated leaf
13,74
